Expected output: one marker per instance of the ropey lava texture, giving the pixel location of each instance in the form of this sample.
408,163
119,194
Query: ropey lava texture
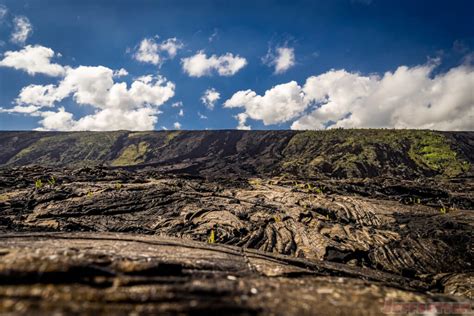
163,237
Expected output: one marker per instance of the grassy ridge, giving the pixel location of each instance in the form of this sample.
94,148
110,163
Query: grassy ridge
334,153
346,152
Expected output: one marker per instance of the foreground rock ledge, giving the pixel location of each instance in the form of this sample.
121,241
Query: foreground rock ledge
105,273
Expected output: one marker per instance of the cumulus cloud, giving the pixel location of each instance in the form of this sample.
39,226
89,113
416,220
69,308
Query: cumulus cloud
210,97
200,65
117,106
95,86
22,29
103,120
171,46
149,50
177,125
282,59
181,112
409,97
120,73
242,119
279,104
33,60
202,116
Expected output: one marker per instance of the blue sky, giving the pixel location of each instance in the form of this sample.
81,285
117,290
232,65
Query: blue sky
333,57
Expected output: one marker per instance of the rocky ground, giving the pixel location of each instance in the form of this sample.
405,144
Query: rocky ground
136,241
348,222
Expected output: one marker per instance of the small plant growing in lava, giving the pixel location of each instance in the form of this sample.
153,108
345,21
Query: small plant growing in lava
52,181
38,184
212,237
255,182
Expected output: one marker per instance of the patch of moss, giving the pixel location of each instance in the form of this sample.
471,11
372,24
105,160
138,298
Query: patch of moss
170,136
139,134
433,151
132,155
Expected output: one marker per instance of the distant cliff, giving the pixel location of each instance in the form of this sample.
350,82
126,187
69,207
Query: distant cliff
310,154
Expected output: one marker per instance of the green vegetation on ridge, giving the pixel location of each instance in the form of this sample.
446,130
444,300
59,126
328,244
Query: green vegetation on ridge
78,148
339,153
354,152
132,155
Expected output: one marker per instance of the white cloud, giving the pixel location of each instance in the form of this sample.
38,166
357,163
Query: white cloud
95,86
149,50
102,120
39,95
202,116
200,65
177,125
242,119
177,104
283,60
171,46
22,29
406,98
60,120
117,105
409,97
210,97
30,109
33,60
279,104
120,73
181,112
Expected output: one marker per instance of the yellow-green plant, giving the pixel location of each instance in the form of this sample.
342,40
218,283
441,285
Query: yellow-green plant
38,184
212,237
89,194
52,181
118,185
442,210
255,182
277,218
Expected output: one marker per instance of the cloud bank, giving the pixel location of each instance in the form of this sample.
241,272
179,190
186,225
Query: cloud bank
409,97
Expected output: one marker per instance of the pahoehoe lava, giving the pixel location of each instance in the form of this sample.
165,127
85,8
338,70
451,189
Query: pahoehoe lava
233,222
